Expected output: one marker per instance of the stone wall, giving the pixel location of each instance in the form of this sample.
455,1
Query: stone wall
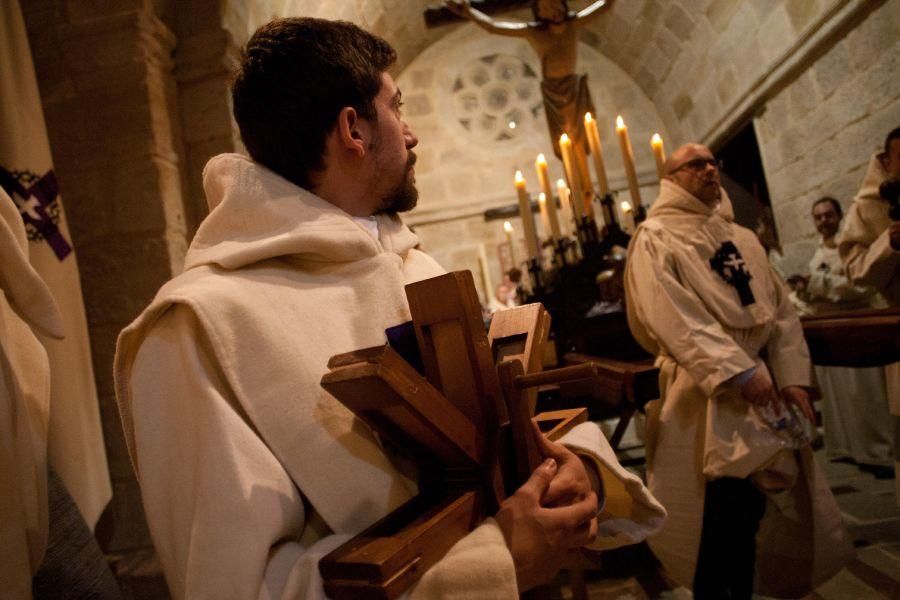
818,133
399,21
699,59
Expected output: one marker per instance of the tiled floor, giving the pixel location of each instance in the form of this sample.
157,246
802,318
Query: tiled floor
870,511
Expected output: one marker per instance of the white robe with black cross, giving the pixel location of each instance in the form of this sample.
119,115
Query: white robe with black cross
702,296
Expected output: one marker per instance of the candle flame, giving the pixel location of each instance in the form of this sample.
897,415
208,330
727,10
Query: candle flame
656,140
542,198
588,118
507,227
625,206
620,123
541,159
520,179
560,183
563,139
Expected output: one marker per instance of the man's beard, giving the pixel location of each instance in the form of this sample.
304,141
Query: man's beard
404,196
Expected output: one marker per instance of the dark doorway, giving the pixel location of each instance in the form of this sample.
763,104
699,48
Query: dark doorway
745,181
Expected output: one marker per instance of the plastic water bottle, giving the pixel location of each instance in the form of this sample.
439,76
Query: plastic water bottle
784,420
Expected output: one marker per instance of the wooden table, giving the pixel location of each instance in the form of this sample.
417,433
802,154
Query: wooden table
621,386
864,338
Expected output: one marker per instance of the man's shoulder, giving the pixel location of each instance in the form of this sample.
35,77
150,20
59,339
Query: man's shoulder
212,294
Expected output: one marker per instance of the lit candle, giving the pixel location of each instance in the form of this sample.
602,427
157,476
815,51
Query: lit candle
628,159
568,156
540,166
545,218
563,190
508,228
627,216
656,144
593,136
527,217
485,274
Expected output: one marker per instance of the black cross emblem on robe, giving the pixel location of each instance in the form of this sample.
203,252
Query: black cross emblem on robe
34,203
730,266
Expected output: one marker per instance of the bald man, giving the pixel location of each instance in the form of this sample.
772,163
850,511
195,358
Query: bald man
726,439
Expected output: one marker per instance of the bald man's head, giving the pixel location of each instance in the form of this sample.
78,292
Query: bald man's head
693,168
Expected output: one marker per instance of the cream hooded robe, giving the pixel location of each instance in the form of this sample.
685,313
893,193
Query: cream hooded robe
863,242
683,311
250,472
866,250
26,306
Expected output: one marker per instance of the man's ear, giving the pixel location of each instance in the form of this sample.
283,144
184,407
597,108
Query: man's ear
352,131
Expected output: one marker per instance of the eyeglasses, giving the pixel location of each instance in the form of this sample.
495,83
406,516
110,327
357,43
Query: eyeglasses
698,165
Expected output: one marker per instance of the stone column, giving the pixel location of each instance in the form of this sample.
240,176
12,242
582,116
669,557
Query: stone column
109,95
204,60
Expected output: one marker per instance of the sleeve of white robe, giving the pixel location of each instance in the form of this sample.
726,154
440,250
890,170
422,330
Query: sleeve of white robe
874,263
833,287
225,517
677,319
788,355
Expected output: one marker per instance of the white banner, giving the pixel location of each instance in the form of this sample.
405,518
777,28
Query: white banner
75,445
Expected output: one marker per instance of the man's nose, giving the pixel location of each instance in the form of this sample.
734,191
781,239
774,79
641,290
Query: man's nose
411,140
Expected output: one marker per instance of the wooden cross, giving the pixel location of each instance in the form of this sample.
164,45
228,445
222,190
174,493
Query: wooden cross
467,419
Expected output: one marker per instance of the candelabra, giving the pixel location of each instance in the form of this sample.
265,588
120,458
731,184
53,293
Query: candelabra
568,285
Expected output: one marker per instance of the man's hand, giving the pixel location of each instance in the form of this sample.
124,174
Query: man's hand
759,390
799,397
538,537
572,482
894,235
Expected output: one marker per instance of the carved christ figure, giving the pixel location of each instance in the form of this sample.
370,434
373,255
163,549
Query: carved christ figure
554,36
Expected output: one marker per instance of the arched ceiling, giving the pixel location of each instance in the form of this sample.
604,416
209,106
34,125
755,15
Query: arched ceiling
693,58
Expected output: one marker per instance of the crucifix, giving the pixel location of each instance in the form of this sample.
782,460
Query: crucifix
730,265
466,416
553,34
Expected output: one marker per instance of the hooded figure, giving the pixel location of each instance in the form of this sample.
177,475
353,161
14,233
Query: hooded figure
26,307
702,297
250,471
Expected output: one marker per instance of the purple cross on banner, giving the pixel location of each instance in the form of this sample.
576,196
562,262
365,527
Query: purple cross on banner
33,203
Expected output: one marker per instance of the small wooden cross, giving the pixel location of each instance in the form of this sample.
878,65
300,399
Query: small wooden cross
467,420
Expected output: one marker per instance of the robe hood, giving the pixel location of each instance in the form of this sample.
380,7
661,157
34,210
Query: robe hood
255,215
674,200
24,289
875,174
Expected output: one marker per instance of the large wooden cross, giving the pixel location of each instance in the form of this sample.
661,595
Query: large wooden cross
466,417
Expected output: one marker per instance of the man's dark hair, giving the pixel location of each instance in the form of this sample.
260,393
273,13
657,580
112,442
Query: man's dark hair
294,78
834,203
893,135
